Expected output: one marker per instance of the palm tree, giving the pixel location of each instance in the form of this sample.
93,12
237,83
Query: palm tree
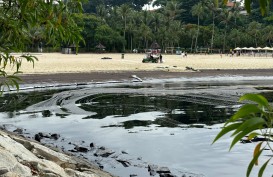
124,11
254,30
193,33
131,27
146,33
173,9
175,32
225,18
161,35
211,8
235,36
157,21
198,10
101,11
146,17
268,34
236,12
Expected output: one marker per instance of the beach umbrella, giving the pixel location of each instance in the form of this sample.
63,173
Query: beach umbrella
155,45
259,48
244,48
266,48
237,48
251,48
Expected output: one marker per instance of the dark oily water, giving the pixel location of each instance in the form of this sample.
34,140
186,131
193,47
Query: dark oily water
139,125
175,110
19,101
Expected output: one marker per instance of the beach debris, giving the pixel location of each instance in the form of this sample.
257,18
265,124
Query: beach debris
124,152
42,135
166,175
18,130
192,69
107,58
163,171
104,152
136,78
46,113
80,149
125,163
92,145
55,136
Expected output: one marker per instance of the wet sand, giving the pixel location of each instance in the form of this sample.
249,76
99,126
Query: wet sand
126,75
63,68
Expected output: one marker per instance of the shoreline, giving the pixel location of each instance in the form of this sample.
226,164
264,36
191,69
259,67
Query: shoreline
89,77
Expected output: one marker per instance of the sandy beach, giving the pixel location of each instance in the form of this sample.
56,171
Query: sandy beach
70,68
50,63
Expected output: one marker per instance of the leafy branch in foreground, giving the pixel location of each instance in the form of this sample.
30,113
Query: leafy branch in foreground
52,21
14,63
251,120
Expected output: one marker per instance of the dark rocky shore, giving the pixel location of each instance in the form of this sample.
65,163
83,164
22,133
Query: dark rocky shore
24,157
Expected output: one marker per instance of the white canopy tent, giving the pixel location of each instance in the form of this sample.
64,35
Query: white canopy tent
266,48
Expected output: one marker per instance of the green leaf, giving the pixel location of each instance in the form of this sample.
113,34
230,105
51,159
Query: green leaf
244,111
252,162
252,135
257,98
249,123
225,130
256,151
261,171
253,127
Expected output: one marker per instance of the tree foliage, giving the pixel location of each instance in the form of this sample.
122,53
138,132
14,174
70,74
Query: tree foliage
216,20
90,5
51,21
251,120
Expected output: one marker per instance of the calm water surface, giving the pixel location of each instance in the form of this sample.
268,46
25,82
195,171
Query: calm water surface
168,123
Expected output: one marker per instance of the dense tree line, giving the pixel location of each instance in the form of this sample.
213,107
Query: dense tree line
122,25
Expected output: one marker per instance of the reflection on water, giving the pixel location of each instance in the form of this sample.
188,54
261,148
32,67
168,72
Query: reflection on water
175,109
20,101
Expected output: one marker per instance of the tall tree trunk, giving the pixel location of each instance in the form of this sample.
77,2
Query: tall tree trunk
224,46
256,40
124,34
131,42
191,43
196,40
212,35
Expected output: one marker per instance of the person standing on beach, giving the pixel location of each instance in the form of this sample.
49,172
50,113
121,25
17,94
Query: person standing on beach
160,58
